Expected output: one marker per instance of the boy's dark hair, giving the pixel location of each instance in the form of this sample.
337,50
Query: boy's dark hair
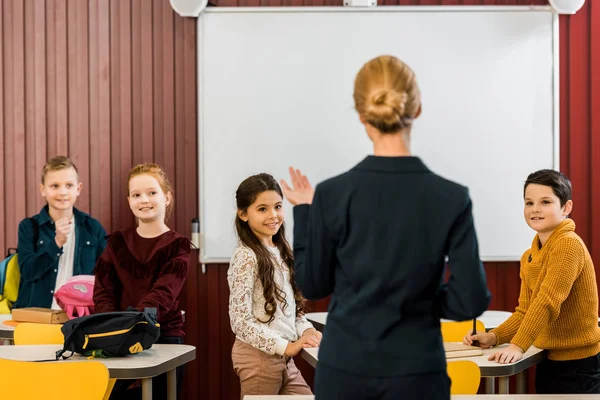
560,184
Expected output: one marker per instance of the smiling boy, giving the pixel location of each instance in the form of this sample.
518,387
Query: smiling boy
60,241
558,303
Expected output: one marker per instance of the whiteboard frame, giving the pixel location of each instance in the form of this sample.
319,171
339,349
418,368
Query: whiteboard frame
203,259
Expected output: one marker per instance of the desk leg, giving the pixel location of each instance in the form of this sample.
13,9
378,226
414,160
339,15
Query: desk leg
521,383
489,385
503,385
147,389
172,384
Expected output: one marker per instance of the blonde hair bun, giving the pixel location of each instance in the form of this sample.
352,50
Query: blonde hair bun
386,94
386,105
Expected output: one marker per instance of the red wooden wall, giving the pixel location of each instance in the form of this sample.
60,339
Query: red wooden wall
112,83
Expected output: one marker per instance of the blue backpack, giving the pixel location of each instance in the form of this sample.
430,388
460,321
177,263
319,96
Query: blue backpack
10,276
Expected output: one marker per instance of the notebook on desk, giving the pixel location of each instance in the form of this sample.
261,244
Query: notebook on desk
456,349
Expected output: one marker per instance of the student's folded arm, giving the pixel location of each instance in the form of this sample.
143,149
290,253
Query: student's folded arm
314,250
167,287
107,286
241,277
564,266
466,295
35,259
507,330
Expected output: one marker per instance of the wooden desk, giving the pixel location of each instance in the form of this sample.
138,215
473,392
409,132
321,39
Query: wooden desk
491,319
489,369
462,397
149,363
6,331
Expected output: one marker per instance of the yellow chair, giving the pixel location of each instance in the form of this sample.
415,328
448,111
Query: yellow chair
465,377
24,380
456,331
27,333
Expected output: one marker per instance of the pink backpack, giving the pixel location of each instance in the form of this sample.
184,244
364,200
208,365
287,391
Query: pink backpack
76,296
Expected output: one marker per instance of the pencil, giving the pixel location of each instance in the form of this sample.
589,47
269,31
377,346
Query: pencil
475,342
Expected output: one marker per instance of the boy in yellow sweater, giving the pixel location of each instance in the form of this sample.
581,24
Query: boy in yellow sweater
558,303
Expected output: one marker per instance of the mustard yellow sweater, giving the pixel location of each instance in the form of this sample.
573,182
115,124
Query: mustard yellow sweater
558,303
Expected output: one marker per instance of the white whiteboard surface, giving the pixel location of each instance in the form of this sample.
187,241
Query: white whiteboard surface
275,89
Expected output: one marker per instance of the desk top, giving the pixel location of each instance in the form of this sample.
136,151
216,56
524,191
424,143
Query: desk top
462,397
488,368
491,319
147,364
492,368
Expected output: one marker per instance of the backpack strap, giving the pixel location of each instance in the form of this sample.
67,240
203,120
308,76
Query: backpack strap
3,272
60,353
36,231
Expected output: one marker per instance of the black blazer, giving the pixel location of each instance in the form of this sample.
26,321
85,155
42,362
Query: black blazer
377,238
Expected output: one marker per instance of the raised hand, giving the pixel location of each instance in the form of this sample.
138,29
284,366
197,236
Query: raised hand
63,228
301,191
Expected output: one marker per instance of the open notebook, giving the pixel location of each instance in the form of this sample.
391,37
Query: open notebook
456,349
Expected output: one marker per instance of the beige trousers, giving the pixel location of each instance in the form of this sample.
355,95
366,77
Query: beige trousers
261,373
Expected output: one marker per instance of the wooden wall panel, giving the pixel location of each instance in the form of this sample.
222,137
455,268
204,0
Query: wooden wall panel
113,82
594,131
121,108
95,80
580,101
110,83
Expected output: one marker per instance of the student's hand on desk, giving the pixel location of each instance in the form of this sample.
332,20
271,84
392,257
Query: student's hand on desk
313,337
510,354
485,339
293,348
301,191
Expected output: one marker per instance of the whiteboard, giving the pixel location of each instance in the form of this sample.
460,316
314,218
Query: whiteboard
275,89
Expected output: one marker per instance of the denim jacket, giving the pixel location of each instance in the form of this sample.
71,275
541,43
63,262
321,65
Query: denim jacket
38,262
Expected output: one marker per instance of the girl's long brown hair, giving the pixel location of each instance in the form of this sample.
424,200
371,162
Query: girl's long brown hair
245,195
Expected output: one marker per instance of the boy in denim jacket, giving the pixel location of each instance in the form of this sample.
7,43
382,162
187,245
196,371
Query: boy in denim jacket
60,241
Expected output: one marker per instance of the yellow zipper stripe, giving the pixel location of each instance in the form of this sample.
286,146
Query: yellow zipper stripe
106,334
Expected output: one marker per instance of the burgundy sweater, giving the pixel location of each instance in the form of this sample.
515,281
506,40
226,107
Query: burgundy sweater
143,272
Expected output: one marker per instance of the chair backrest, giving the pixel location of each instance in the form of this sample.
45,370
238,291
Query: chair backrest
53,380
28,333
455,331
465,377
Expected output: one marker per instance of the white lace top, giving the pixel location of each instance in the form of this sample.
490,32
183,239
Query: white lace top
247,304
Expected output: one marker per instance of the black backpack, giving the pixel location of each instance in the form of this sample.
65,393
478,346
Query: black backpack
111,334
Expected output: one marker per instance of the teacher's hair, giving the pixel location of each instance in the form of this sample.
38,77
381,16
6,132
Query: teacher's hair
386,94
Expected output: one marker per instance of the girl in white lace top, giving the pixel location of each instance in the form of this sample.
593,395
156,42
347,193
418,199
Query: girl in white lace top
265,305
